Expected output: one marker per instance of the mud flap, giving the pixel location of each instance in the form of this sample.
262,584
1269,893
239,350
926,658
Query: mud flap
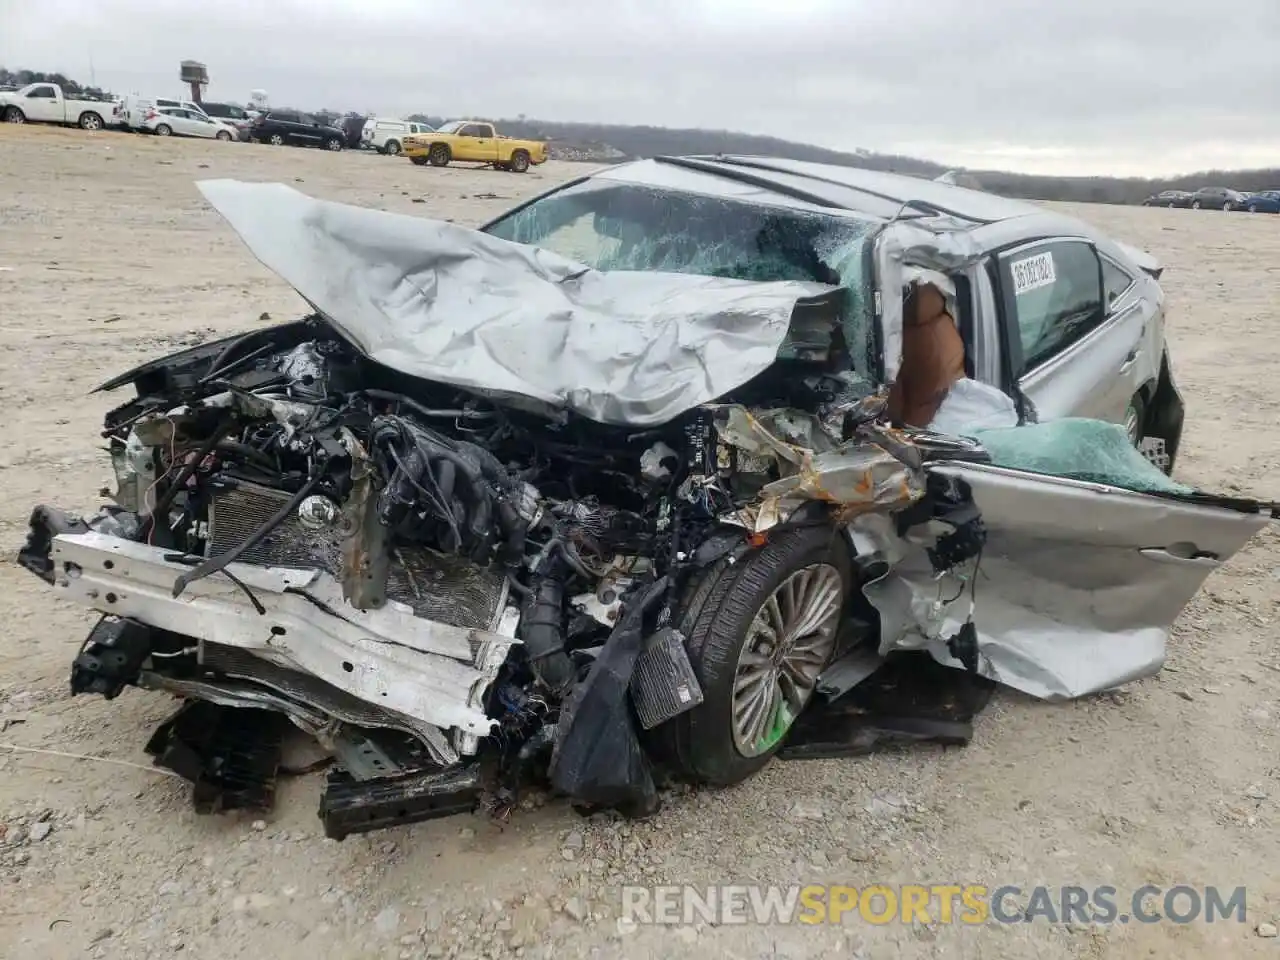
598,759
1164,417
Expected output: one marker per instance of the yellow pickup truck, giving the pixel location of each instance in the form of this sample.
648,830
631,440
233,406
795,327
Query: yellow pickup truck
470,141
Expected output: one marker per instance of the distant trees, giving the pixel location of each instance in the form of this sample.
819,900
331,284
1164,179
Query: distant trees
20,78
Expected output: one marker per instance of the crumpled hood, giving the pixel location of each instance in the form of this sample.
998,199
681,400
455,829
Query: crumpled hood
446,303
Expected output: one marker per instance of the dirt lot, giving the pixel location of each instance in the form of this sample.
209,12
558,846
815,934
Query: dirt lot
108,256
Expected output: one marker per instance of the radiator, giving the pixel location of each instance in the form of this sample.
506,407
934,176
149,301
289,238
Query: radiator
437,587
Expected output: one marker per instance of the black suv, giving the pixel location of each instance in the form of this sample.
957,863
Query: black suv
300,129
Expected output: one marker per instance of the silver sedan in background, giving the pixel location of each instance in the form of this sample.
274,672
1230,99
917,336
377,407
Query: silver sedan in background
180,122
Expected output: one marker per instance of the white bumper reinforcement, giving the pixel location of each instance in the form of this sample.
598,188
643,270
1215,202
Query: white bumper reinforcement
386,657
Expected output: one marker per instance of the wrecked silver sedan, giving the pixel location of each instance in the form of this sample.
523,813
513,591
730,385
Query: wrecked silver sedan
491,514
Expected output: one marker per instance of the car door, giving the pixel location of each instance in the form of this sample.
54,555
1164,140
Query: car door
43,104
180,121
1134,324
475,143
465,146
194,124
1077,584
1067,351
486,143
305,131
202,125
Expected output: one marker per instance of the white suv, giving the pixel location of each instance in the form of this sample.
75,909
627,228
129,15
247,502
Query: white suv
387,136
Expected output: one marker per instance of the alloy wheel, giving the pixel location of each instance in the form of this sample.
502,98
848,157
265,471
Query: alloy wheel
788,644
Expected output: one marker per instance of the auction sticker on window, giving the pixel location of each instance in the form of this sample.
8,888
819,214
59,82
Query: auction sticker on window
1032,273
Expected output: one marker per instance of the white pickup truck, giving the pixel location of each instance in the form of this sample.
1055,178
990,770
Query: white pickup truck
46,103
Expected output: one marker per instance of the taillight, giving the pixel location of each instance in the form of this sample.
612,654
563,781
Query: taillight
151,115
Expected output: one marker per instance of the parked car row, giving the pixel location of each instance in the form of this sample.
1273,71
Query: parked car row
467,141
1217,198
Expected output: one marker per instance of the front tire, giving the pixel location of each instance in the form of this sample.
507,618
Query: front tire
222,135
519,162
276,140
418,161
333,143
759,632
1195,204
90,121
14,115
164,130
392,148
439,155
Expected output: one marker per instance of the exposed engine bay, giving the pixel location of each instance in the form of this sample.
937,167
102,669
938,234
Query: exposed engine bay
372,555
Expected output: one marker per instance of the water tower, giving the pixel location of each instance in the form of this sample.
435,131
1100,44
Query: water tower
197,75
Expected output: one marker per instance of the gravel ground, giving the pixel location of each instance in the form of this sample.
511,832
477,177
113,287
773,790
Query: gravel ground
108,256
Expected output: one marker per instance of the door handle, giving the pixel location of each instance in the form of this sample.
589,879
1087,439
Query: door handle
1205,561
1130,359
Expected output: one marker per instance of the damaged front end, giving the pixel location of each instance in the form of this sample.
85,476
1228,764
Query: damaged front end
447,592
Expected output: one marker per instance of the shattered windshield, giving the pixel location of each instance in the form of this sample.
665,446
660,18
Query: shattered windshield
621,226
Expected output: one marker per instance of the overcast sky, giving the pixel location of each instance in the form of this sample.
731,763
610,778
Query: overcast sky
1139,87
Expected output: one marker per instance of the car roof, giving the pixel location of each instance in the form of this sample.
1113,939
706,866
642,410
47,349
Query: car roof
991,221
871,193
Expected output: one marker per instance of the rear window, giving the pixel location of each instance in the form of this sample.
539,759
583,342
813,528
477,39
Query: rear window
1057,297
225,110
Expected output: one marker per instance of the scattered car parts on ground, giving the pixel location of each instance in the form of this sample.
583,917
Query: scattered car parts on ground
491,514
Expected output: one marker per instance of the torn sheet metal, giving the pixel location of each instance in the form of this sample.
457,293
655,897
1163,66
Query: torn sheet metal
446,303
875,470
1076,588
